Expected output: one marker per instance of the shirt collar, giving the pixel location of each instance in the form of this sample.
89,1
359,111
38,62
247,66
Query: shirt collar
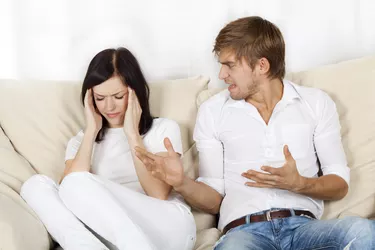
235,103
290,91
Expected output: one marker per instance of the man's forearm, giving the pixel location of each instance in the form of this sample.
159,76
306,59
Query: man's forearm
327,187
200,195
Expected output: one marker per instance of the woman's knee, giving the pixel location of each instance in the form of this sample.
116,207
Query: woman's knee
37,185
74,177
75,184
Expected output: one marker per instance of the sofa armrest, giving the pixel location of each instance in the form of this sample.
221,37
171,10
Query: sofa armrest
19,227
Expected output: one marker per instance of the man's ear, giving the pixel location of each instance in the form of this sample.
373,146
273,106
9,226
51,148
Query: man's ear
264,66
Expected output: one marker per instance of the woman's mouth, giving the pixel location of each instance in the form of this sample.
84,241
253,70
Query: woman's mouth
113,115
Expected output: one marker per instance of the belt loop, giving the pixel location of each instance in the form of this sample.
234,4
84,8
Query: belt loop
247,219
292,212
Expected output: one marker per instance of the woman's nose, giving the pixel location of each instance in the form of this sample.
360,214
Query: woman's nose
110,104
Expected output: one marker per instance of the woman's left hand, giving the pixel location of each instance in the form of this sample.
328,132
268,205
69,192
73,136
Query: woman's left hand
132,116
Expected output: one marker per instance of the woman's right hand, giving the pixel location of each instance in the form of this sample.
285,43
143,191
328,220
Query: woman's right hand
94,120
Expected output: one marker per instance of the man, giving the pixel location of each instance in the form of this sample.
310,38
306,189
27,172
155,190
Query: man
261,144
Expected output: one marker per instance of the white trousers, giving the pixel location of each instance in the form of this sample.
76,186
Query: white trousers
127,219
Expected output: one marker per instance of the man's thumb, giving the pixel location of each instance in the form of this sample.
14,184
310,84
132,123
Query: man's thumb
168,145
287,154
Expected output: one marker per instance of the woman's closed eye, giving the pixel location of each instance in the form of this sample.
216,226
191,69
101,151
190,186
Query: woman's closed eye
119,97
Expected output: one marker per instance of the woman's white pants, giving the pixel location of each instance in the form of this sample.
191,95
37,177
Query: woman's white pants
86,208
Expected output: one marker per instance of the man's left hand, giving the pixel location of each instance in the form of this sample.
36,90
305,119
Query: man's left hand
285,177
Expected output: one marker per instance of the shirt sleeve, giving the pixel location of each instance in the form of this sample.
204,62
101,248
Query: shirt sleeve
327,140
164,128
211,154
73,146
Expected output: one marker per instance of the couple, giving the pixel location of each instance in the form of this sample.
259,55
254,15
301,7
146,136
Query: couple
261,145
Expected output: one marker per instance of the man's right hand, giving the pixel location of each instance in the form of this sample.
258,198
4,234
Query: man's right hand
93,118
166,168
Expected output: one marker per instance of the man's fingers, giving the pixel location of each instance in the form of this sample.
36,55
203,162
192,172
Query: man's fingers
168,145
259,185
144,153
260,181
271,170
260,177
147,162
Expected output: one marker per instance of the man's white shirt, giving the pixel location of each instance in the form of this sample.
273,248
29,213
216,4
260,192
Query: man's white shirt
232,137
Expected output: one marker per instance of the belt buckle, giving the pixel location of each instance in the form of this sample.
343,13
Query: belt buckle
268,215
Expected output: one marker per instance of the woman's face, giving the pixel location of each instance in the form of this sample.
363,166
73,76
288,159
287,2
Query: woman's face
111,99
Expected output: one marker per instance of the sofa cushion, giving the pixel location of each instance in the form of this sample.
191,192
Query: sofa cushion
19,227
14,169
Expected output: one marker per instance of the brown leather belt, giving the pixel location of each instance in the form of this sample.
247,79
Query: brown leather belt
266,216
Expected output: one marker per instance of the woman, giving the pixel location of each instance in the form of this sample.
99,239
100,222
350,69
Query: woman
107,199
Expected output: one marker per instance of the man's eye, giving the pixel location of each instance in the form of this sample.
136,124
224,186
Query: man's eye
119,97
99,99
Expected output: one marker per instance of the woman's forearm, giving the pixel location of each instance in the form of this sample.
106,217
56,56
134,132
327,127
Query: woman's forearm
82,160
152,186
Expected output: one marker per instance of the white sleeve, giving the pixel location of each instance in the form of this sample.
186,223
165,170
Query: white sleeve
210,148
73,146
164,128
327,140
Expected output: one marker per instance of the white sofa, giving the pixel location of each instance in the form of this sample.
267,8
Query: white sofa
37,119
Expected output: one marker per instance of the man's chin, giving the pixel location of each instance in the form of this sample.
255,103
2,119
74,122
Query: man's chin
236,97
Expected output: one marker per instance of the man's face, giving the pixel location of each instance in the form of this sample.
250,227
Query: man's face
243,81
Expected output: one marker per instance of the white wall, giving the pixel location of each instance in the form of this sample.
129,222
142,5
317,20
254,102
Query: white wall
56,39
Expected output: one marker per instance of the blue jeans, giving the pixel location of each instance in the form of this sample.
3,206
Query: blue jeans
300,232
